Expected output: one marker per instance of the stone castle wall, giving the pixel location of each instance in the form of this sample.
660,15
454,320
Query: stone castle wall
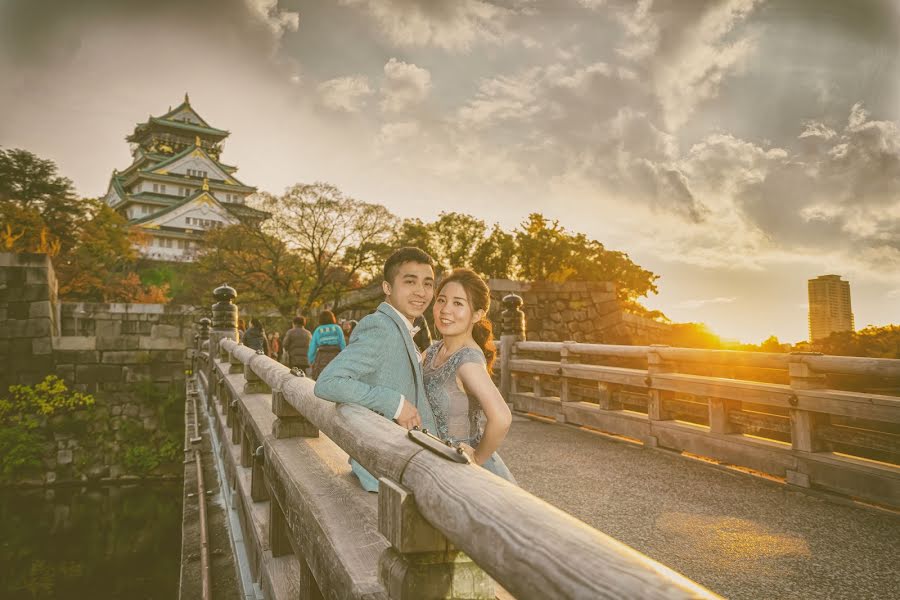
130,357
576,310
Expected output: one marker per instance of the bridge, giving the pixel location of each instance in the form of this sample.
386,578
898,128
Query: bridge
673,481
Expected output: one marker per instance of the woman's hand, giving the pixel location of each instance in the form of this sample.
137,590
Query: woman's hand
469,451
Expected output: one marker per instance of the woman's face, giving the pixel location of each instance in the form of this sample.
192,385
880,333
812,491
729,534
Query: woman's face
453,315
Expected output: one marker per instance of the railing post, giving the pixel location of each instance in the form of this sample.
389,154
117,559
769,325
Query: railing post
421,563
656,399
564,389
290,422
258,490
804,423
224,318
718,415
607,396
512,330
254,383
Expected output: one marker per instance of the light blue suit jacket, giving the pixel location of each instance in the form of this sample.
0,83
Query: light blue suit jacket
378,365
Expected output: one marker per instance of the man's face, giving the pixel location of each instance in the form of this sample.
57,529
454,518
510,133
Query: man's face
412,289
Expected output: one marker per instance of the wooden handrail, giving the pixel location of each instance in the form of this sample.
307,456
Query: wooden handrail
531,548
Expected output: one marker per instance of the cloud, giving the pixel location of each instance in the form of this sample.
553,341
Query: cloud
455,25
701,302
347,94
278,20
405,85
687,53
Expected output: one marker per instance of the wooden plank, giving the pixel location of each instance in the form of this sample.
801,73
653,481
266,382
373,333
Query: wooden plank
753,422
864,438
761,360
534,367
678,406
616,351
541,405
623,423
614,375
854,365
539,346
532,548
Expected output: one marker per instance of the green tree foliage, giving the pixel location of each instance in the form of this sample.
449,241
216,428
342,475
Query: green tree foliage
872,342
22,411
32,193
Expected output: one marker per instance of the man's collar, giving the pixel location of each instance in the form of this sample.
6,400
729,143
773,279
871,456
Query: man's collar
409,324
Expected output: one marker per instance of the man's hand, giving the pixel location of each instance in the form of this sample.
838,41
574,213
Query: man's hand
409,416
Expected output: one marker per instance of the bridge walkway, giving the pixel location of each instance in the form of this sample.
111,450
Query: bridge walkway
741,536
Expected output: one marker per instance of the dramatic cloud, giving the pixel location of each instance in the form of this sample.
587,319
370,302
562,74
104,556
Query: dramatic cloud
447,24
405,85
346,94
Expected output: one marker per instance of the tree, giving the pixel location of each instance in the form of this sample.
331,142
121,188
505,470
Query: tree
36,201
343,241
258,265
495,256
873,342
101,265
548,252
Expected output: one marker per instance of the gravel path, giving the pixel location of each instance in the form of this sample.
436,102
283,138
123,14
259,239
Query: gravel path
740,536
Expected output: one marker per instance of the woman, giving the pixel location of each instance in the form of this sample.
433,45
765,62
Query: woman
467,406
348,327
274,345
255,337
327,340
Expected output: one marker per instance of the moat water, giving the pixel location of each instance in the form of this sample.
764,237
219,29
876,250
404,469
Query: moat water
110,542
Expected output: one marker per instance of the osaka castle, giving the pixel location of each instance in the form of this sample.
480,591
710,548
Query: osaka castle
176,189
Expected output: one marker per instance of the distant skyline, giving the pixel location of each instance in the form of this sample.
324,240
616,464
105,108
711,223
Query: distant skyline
737,148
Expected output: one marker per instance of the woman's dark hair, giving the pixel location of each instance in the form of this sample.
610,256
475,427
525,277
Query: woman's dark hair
300,321
254,322
479,296
326,317
405,255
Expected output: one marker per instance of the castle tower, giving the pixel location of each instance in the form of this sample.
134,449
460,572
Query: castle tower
176,189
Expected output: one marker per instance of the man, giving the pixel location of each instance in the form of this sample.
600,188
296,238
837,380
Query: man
296,343
380,368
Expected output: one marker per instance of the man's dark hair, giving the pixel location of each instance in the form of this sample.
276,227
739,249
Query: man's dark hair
299,321
405,255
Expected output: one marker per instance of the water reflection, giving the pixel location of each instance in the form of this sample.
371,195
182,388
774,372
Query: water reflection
97,542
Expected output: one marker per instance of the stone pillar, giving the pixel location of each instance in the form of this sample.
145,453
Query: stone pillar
512,330
225,317
421,564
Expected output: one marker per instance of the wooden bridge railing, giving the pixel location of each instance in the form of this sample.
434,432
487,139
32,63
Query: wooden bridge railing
435,528
841,441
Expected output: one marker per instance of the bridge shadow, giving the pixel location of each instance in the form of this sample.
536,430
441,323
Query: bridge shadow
740,536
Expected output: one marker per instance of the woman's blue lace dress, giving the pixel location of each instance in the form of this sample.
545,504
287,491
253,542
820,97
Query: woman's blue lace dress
459,418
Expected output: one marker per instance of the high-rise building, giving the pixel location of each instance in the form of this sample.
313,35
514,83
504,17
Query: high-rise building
829,306
176,189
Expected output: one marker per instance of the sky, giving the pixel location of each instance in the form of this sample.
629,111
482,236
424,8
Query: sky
736,148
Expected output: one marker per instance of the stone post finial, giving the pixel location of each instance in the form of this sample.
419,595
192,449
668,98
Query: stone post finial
512,318
224,316
204,324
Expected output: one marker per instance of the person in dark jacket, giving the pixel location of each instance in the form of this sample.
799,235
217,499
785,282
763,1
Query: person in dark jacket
296,344
327,340
255,337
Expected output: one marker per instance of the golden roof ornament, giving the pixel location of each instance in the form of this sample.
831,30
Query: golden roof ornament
186,99
205,186
197,140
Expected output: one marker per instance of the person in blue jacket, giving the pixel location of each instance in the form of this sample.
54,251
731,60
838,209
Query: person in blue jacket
327,340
